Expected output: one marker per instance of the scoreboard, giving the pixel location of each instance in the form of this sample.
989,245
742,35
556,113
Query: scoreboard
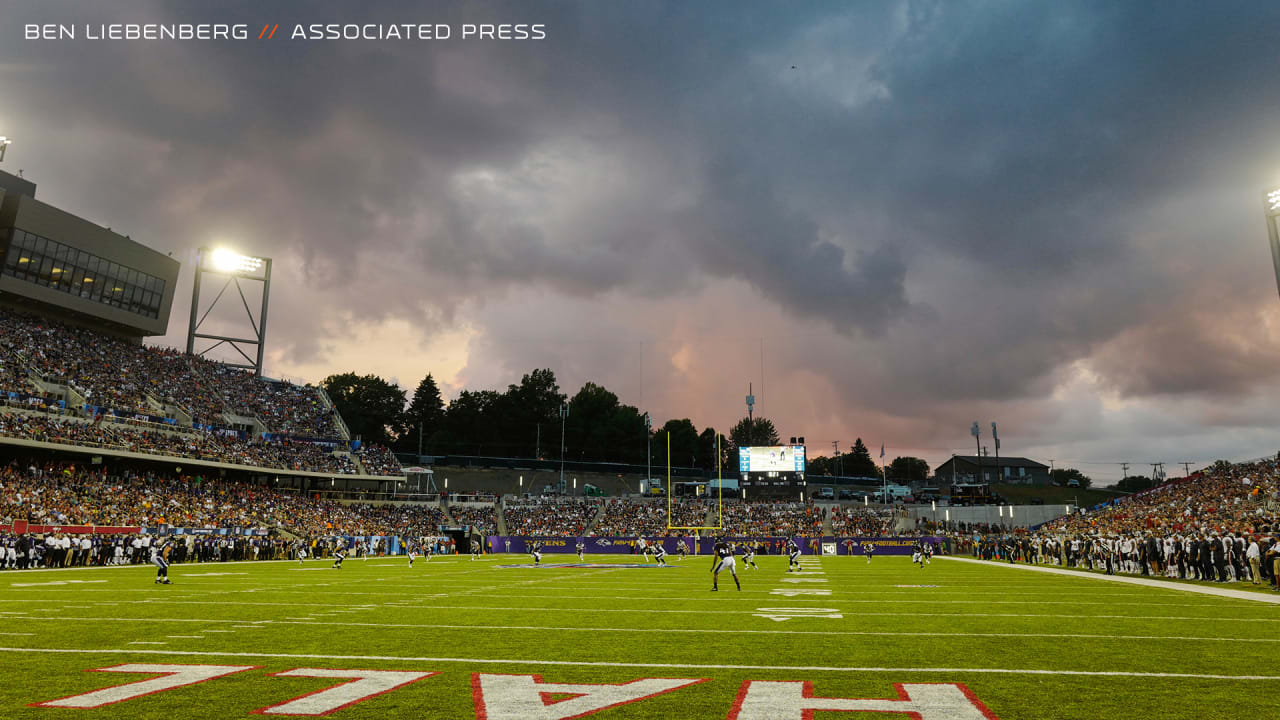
775,471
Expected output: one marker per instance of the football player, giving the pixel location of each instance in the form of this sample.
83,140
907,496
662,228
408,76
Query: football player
682,548
868,549
660,553
749,556
536,551
642,547
582,546
339,554
793,555
160,558
722,557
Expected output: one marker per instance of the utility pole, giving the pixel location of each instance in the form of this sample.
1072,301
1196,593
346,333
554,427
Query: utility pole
751,424
835,456
1124,471
537,445
1186,467
1050,471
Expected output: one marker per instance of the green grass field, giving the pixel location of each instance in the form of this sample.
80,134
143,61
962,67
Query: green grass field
1026,645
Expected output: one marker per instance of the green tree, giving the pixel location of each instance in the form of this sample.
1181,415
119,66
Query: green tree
909,469
469,423
858,462
372,407
523,408
820,465
1060,476
1135,483
684,444
754,432
424,417
707,452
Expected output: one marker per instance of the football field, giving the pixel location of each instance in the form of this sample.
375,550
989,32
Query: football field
453,638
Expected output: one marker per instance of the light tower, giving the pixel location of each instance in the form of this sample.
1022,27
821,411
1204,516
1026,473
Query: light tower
234,267
1271,209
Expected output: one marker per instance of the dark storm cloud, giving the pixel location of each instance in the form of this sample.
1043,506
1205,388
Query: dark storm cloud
965,193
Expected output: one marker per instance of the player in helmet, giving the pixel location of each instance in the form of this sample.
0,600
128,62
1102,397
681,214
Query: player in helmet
723,560
160,558
793,555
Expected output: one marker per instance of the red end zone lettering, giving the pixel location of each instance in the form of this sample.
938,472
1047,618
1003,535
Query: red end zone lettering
525,697
768,700
173,676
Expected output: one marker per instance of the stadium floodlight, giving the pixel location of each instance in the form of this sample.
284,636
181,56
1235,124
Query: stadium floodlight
236,268
229,261
4,143
1271,210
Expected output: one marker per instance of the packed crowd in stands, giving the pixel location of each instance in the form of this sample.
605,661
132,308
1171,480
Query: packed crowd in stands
378,460
111,372
779,519
632,517
65,493
857,521
482,517
1221,524
190,443
549,516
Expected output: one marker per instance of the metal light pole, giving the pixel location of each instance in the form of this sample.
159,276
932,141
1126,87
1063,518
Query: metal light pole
996,437
1271,208
751,425
648,449
564,413
976,432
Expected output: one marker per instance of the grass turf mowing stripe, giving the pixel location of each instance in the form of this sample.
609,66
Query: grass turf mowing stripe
676,666
713,631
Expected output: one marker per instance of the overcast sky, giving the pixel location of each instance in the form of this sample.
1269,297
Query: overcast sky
929,213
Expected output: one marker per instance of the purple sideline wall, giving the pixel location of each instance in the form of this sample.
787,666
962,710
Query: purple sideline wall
626,545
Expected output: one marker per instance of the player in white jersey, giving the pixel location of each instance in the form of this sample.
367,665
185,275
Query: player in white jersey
476,547
581,547
301,546
749,556
642,547
682,548
868,549
160,558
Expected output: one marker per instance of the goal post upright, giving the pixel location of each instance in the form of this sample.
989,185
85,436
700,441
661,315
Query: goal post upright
720,492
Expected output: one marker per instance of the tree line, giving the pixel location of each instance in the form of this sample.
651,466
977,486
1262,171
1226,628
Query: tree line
524,421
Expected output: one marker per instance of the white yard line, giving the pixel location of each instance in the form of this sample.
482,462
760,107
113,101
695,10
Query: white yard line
677,666
1145,582
475,608
692,631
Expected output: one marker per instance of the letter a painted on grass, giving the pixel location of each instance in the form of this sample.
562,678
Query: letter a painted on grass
363,685
171,676
767,700
526,697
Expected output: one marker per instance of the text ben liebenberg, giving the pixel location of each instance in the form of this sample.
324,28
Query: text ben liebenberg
328,31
